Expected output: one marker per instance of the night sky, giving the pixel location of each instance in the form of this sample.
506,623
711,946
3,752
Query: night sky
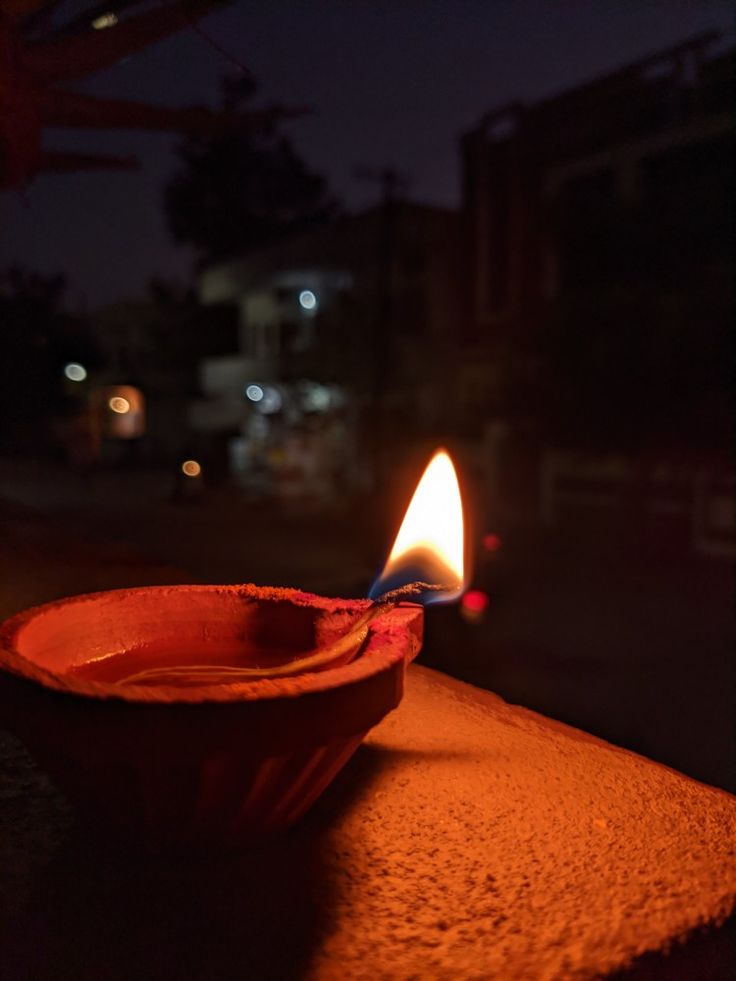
392,82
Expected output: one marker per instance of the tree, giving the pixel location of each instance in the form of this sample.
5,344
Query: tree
37,338
238,191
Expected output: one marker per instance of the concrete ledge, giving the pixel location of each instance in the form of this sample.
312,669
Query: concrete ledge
468,839
489,842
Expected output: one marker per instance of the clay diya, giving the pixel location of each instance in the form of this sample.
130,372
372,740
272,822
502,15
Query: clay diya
219,761
205,713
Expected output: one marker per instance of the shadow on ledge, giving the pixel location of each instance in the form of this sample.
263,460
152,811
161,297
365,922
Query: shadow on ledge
104,911
101,912
709,955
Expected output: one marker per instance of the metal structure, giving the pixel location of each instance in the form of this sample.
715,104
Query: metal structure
39,56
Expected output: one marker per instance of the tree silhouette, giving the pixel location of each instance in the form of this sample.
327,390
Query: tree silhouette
241,190
37,338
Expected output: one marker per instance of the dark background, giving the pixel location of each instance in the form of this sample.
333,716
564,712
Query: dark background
390,84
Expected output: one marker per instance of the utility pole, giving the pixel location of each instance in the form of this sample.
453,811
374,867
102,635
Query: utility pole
392,184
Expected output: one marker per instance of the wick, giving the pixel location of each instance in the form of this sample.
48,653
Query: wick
411,589
343,650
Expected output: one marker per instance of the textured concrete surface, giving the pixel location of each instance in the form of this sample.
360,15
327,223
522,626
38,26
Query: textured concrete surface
467,839
491,842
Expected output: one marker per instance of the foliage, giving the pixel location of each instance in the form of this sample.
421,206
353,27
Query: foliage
243,189
37,338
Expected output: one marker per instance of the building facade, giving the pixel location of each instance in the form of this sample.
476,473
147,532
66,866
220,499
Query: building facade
598,230
356,318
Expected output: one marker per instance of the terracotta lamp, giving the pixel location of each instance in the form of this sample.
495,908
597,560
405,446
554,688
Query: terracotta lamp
220,713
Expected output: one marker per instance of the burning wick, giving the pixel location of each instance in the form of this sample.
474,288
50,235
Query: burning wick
394,596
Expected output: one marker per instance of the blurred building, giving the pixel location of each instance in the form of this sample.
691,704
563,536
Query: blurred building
355,317
597,348
600,220
154,345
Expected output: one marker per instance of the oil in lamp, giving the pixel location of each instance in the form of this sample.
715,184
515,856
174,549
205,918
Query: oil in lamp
218,714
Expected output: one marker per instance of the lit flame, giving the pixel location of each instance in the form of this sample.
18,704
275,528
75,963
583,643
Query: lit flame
430,544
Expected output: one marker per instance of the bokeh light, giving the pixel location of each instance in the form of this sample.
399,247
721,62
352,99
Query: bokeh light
491,542
105,20
191,468
75,372
473,605
118,404
271,400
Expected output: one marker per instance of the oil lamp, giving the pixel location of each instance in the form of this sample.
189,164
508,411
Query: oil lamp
220,713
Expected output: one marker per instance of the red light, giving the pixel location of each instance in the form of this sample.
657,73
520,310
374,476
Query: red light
473,606
475,601
491,542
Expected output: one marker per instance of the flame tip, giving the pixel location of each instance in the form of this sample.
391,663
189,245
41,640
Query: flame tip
430,541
